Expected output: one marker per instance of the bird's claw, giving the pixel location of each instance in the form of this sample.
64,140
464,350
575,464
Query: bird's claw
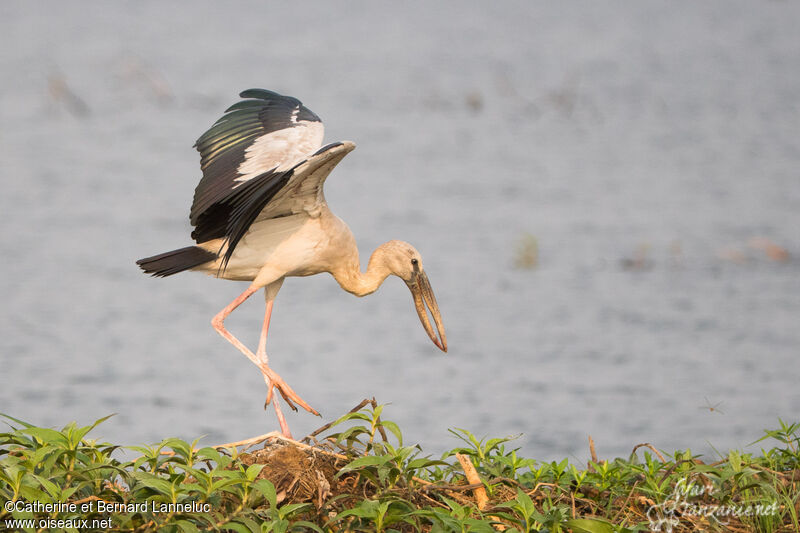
283,394
274,381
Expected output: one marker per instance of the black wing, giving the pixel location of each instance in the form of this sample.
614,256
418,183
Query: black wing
249,152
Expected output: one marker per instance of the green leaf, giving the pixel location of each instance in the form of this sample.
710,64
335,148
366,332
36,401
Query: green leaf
251,524
81,432
240,528
361,462
424,463
51,488
267,489
180,447
144,450
303,525
187,527
351,433
17,420
364,509
589,525
253,470
354,416
46,435
32,494
210,454
152,482
277,526
47,449
395,429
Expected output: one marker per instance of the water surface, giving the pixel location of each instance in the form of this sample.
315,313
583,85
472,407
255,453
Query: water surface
643,146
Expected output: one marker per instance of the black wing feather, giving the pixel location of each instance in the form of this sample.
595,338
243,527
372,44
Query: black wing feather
249,202
232,217
223,148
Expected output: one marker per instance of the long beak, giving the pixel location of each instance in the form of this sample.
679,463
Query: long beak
423,295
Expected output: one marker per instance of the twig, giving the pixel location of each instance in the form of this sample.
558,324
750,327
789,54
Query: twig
590,466
648,445
541,484
380,426
453,488
251,442
435,502
304,446
625,503
87,499
572,497
329,424
765,469
672,468
431,487
276,436
473,478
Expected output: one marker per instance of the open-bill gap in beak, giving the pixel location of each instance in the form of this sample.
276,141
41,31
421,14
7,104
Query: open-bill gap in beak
423,295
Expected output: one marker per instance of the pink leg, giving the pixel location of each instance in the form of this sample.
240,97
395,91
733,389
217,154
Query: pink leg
218,322
262,342
272,379
275,380
281,420
261,353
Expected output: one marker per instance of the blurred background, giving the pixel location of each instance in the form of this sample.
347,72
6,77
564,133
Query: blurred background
606,196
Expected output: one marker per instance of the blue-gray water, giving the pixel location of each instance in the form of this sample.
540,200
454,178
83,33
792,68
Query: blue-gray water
662,133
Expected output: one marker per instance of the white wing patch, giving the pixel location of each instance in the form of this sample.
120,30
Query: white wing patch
281,150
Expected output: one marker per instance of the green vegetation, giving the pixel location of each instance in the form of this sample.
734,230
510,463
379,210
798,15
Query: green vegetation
362,477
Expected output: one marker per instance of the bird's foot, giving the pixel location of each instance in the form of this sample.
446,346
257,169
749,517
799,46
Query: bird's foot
274,381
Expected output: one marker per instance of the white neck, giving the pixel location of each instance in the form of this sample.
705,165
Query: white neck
351,279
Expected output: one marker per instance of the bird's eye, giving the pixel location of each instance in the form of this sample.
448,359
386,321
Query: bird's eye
414,261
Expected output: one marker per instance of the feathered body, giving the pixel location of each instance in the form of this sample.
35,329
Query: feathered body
259,214
263,172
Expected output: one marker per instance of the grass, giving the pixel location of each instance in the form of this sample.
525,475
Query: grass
357,474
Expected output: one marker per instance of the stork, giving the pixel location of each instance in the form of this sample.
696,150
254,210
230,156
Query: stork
259,215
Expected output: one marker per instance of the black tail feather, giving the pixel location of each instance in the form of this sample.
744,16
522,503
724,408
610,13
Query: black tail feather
175,261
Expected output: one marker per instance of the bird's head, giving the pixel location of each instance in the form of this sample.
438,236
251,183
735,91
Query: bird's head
404,261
